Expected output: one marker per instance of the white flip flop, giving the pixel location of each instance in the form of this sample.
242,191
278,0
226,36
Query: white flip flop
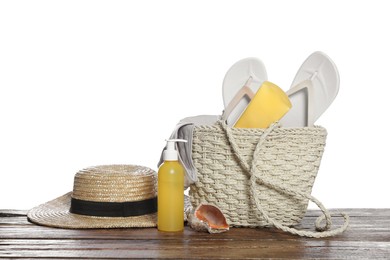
313,90
241,81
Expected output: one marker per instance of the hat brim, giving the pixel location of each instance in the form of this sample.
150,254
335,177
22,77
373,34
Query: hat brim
56,213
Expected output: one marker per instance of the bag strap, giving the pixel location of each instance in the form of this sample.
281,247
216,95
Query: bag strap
256,179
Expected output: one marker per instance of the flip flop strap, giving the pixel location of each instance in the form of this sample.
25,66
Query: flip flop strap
256,179
244,91
308,85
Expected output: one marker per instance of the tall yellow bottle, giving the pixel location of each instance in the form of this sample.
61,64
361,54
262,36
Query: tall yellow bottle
170,210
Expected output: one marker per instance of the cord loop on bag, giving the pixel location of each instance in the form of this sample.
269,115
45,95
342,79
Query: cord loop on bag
255,178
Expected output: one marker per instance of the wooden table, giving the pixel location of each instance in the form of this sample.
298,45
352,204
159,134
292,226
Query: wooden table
368,237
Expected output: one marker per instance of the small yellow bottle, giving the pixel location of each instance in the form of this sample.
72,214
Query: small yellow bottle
170,209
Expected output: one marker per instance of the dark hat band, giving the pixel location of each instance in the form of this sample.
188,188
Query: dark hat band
113,209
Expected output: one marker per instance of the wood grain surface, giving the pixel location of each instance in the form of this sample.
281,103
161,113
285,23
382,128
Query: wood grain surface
368,237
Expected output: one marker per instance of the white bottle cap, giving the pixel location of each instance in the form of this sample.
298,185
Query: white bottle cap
170,153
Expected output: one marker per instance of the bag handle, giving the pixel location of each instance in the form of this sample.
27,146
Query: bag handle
255,178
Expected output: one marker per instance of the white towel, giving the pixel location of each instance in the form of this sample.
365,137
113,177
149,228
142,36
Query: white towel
184,130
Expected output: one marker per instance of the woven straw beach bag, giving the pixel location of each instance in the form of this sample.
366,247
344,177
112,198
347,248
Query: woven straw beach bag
260,177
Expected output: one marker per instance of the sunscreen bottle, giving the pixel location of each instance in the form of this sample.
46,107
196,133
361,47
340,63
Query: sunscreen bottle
170,209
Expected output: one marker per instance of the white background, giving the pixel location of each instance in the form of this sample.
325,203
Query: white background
85,83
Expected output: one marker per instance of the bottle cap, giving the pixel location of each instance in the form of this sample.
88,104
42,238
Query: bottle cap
170,153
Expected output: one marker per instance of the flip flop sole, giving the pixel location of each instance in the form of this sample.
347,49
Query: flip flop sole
235,79
323,73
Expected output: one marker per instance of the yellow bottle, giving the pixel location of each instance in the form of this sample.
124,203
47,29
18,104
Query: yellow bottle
269,104
170,209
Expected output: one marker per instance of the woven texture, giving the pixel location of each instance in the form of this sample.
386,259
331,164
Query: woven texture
115,183
287,157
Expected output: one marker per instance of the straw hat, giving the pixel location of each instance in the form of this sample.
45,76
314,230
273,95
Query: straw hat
107,196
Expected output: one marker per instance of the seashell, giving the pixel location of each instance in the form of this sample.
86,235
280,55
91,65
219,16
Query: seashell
209,218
